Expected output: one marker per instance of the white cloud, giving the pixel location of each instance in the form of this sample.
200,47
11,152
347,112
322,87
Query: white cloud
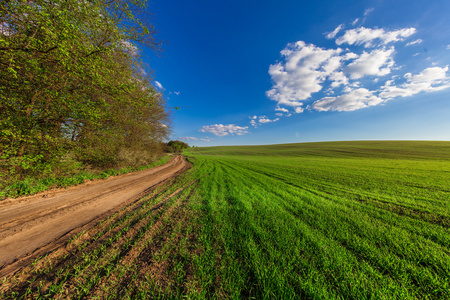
306,67
304,70
355,21
298,110
264,119
129,47
430,79
338,77
367,36
378,62
415,42
282,109
353,100
176,93
448,47
415,54
223,130
159,85
332,34
255,121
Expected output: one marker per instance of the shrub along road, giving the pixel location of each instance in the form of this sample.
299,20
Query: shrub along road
32,226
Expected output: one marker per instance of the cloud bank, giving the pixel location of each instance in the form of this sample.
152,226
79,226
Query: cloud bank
360,72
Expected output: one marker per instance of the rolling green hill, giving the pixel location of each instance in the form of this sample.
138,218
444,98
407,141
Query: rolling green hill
350,220
338,220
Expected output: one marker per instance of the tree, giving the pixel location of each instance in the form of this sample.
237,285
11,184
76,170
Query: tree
177,146
71,81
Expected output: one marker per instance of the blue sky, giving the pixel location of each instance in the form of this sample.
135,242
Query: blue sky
267,72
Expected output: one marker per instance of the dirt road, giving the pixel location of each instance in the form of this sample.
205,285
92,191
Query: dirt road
32,226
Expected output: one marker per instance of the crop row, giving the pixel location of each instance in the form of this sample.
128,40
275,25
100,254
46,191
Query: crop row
269,225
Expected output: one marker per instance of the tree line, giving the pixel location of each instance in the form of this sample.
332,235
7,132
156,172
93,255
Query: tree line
176,146
73,89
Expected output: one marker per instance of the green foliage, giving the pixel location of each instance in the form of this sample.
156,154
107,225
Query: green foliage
176,146
71,82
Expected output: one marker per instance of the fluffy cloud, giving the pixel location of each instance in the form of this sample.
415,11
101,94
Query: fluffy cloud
304,70
377,62
159,85
282,109
430,79
367,36
223,130
353,100
339,78
255,121
299,109
306,67
267,120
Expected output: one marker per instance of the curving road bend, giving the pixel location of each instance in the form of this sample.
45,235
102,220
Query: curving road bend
30,223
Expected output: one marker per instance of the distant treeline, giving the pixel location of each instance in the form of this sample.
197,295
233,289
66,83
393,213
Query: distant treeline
73,91
176,146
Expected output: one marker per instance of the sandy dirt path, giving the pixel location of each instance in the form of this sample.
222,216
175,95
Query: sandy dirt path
32,226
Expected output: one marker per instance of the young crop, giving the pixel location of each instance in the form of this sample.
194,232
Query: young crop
356,220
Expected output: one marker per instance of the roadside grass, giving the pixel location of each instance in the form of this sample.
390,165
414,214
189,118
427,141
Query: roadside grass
32,185
344,220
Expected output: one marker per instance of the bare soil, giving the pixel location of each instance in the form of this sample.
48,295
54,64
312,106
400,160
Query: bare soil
33,226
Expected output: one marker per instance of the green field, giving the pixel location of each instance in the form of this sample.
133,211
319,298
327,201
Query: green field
337,220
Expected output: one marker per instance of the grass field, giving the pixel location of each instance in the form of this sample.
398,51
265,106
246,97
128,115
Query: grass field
338,220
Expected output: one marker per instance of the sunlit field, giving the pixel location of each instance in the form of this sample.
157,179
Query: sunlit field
338,220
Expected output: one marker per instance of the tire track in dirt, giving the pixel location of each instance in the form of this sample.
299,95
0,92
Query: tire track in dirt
32,226
114,243
131,258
